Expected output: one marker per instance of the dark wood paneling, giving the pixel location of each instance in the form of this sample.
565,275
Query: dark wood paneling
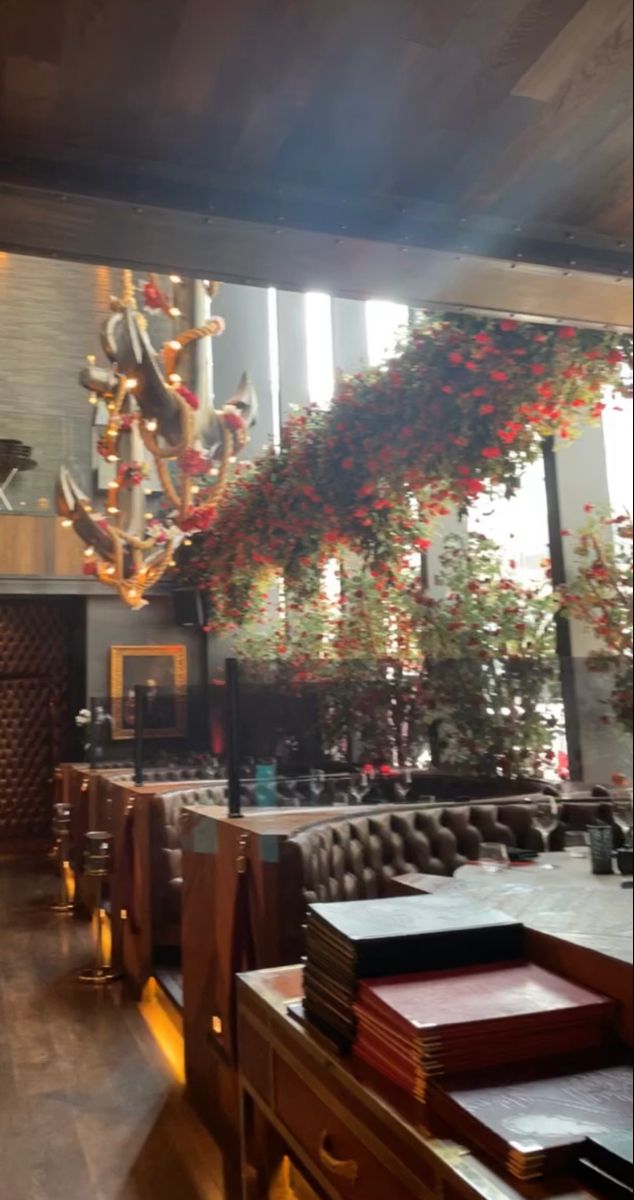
34,221
381,97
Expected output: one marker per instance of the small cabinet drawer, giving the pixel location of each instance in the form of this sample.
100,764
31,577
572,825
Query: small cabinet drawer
355,1171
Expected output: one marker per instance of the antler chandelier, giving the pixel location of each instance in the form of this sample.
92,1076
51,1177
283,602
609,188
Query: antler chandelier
153,420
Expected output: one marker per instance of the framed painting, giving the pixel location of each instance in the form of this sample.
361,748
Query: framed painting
163,671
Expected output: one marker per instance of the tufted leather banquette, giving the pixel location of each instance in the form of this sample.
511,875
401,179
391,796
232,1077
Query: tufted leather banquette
347,857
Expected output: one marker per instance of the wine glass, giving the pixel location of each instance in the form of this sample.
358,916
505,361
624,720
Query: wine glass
577,844
546,818
622,813
494,857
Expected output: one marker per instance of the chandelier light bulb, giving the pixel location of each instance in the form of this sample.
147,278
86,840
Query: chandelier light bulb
67,523
88,508
175,312
93,398
175,378
175,345
175,279
113,509
131,384
88,552
110,570
112,458
91,360
152,426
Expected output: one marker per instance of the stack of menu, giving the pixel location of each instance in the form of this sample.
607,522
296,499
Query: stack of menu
351,941
539,1121
415,1028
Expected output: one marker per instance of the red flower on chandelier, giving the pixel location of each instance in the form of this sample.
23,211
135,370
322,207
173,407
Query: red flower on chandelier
194,462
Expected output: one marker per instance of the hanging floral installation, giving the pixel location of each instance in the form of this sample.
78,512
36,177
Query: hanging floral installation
154,420
463,407
600,597
463,677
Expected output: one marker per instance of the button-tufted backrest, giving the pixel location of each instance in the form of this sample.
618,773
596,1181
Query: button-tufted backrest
353,859
166,852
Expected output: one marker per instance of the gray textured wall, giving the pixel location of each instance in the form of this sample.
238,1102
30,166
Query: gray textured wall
50,314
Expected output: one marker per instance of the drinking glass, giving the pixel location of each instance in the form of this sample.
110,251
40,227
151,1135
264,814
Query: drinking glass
494,857
546,818
577,844
622,812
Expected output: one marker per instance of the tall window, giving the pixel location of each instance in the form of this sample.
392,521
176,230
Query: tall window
618,430
319,349
386,324
518,525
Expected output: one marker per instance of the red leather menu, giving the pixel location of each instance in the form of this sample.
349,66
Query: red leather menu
437,1005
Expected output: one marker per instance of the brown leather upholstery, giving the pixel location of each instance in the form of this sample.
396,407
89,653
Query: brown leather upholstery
353,857
166,855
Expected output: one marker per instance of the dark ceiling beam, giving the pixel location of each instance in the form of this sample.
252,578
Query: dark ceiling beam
204,245
393,219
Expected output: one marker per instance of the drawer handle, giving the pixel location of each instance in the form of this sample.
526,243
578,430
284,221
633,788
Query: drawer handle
342,1170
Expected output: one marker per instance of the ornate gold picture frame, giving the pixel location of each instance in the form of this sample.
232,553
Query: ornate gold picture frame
163,670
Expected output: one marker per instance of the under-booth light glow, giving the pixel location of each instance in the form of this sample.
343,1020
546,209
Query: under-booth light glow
386,324
319,349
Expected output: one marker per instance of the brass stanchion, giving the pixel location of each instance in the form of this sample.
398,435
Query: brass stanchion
61,829
97,865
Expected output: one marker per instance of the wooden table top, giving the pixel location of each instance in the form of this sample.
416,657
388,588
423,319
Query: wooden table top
594,911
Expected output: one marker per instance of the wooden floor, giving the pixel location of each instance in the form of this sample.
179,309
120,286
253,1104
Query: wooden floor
89,1109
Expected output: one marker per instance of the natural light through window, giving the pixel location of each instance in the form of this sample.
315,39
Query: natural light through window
274,365
618,429
386,323
319,349
518,525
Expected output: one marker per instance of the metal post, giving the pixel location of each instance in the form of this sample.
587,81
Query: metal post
232,689
562,625
140,693
93,734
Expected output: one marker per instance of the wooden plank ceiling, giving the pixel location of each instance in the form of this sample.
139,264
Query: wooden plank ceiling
368,116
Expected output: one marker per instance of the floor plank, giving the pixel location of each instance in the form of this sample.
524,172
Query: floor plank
89,1109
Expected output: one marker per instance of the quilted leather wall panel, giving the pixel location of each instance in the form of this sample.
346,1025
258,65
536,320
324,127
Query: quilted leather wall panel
34,712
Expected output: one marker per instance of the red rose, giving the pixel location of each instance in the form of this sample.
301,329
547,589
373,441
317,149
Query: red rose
153,298
486,409
538,369
508,326
499,376
492,452
567,332
348,464
233,419
89,568
588,508
423,543
189,397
